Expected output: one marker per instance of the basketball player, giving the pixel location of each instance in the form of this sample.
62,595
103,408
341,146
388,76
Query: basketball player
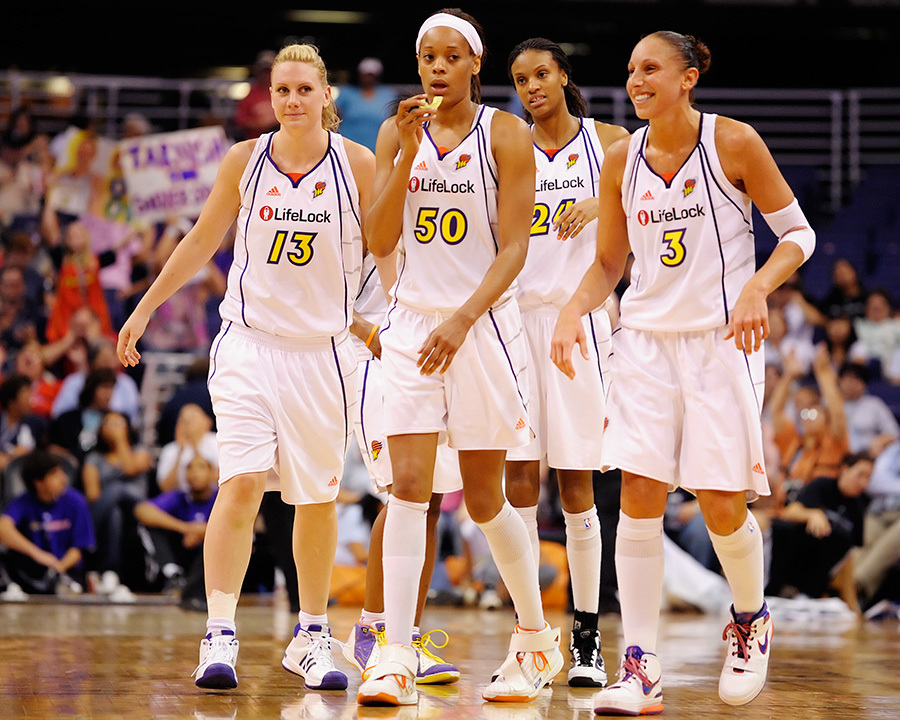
283,369
567,417
367,636
684,406
456,186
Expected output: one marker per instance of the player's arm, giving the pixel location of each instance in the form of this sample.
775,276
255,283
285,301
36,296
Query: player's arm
395,149
750,167
194,251
605,271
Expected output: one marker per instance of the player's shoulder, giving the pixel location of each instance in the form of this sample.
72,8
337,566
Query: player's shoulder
609,134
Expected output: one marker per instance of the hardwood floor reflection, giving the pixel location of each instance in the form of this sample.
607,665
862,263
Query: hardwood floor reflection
116,661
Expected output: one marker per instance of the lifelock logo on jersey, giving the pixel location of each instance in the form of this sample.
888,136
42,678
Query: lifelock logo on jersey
267,213
658,216
440,186
557,184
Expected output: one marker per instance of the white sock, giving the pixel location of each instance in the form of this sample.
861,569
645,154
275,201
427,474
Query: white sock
583,548
529,517
370,618
741,556
508,540
306,619
403,556
218,625
639,570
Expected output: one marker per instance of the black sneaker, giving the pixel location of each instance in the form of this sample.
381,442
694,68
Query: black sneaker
587,668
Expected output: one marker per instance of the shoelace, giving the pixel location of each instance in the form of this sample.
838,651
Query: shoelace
535,656
425,640
741,633
220,651
582,642
379,633
632,667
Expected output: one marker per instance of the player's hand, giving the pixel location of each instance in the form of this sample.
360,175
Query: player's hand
569,331
749,320
409,120
575,217
441,346
132,330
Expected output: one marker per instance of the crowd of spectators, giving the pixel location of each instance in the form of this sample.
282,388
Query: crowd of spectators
85,505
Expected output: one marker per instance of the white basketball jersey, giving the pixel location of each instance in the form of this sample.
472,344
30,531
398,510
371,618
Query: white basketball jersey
553,267
298,248
449,232
692,240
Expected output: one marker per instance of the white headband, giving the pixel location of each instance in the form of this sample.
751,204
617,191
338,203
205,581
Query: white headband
463,27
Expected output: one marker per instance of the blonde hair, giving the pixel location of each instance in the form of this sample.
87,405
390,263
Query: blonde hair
306,53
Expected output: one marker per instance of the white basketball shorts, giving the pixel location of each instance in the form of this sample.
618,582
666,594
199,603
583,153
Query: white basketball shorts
684,408
566,415
480,402
285,406
369,429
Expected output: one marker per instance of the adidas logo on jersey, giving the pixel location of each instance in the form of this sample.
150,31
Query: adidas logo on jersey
421,166
274,192
647,196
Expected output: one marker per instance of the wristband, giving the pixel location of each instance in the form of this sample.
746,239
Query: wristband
375,329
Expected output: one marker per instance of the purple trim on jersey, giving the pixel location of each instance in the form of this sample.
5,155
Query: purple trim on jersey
644,157
753,384
296,183
712,213
362,405
483,150
705,154
215,352
340,373
590,150
562,147
338,181
590,317
362,285
258,175
475,126
508,359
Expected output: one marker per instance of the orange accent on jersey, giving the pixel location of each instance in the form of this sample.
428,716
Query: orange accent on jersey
295,176
668,176
551,152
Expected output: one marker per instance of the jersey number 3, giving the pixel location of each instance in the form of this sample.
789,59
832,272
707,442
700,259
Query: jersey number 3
675,250
302,253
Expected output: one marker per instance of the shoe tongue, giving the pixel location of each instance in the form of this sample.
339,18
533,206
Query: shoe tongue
315,629
634,651
585,634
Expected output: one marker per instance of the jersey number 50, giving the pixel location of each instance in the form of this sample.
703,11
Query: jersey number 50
451,224
302,253
675,250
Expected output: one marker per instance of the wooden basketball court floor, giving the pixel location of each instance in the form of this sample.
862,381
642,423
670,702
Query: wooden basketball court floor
66,659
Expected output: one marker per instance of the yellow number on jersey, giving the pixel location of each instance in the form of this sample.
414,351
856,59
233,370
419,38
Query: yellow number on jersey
452,225
675,250
540,221
302,242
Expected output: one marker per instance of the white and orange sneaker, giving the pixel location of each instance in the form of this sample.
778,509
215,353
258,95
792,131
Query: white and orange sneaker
749,638
393,680
638,691
534,659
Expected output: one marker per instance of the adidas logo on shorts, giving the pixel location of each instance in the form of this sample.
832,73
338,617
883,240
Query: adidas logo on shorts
520,425
333,481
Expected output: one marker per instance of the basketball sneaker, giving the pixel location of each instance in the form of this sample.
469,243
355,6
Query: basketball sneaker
587,668
393,680
361,648
218,655
432,669
532,662
309,656
749,637
638,690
